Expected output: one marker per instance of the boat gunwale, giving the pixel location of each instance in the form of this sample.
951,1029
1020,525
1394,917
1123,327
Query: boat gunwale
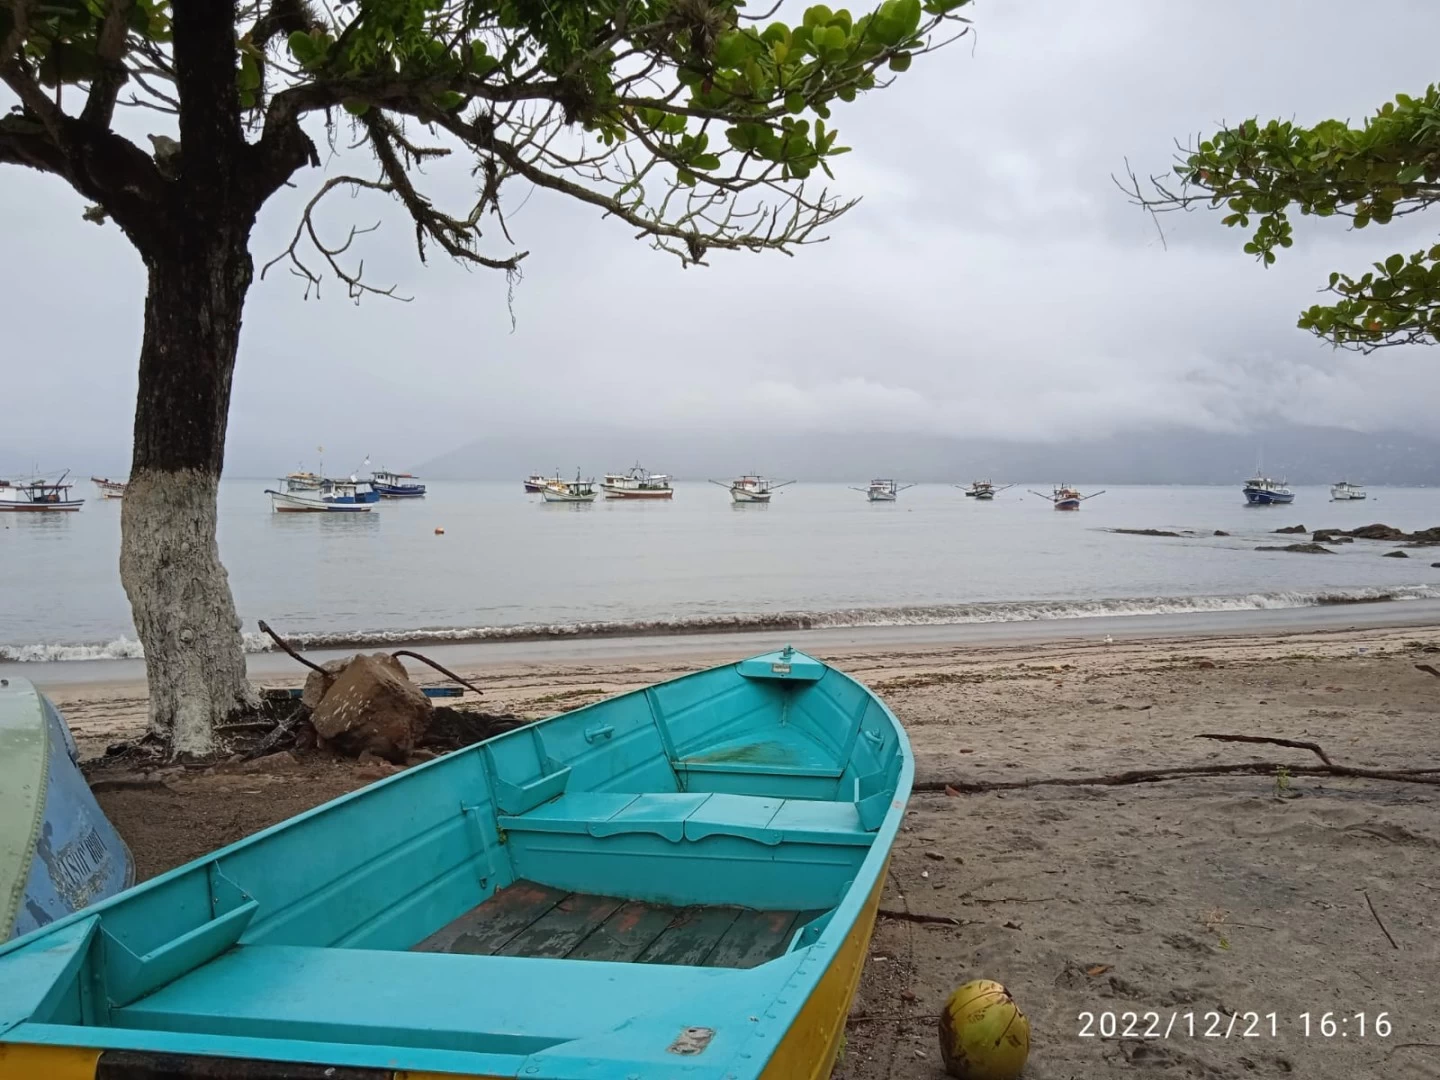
845,920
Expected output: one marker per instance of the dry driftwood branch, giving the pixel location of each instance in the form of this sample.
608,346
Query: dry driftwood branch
1160,776
1293,743
265,628
1370,904
443,670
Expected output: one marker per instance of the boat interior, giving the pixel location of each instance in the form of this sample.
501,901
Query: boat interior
653,845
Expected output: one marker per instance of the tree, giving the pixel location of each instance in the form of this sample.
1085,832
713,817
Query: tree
689,120
1387,168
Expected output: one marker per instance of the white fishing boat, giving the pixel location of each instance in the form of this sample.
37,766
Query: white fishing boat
109,489
332,497
984,490
39,496
751,488
882,490
637,483
1345,491
569,491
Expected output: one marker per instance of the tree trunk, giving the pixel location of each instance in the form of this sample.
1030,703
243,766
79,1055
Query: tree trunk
169,559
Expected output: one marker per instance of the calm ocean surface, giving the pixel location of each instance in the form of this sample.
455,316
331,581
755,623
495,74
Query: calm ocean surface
510,566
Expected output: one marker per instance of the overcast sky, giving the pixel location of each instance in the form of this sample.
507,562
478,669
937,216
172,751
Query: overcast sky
992,282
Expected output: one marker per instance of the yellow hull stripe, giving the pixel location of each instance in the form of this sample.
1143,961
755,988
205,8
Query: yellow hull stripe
26,1061
809,1048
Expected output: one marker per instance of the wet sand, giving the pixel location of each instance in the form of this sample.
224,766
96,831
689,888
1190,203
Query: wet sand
1222,894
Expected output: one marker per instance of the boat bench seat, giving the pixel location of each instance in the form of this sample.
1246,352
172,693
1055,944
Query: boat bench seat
678,816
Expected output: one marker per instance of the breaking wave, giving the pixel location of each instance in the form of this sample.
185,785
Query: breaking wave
917,615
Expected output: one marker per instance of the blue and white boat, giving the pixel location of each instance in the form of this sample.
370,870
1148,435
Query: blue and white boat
58,851
677,882
393,485
333,496
1262,491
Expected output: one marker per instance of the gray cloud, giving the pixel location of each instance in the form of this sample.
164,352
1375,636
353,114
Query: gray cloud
993,282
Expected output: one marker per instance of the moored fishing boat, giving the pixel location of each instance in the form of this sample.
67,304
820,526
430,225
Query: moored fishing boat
984,490
302,481
1263,491
1345,491
333,497
681,879
1065,497
751,488
110,489
39,496
569,491
637,483
393,485
883,490
535,483
58,851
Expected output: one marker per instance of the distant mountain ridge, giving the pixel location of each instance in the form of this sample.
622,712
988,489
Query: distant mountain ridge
1301,455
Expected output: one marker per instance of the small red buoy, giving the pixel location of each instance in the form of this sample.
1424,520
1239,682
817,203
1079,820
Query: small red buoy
439,531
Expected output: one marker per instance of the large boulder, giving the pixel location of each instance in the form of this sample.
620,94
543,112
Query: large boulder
1293,529
1378,532
316,683
372,706
1304,549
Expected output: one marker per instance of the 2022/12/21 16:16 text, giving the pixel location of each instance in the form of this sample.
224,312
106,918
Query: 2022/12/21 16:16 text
1237,1025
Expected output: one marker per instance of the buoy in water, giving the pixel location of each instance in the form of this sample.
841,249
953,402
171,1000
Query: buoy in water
439,531
983,1033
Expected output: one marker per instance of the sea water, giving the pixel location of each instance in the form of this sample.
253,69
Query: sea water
511,567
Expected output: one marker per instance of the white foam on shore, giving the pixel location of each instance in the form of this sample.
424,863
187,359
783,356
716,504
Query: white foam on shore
124,648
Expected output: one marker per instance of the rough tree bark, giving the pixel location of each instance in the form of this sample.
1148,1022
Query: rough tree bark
169,559
200,270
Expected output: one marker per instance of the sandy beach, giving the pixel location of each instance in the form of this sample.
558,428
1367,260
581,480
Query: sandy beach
1227,895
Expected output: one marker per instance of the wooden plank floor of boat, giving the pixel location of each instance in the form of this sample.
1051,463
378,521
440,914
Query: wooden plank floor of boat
527,919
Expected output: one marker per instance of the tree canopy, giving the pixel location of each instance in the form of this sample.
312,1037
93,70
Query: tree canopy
1386,168
689,120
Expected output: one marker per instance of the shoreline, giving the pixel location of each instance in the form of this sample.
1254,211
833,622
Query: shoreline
126,677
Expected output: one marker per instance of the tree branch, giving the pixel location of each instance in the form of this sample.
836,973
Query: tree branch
109,51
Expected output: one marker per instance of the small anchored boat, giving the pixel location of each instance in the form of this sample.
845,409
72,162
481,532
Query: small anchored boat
109,489
1263,491
681,880
569,491
332,497
1345,491
1065,497
39,496
535,483
882,490
393,485
984,490
636,483
751,488
58,851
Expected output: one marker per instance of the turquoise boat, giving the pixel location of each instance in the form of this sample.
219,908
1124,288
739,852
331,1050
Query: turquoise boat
679,882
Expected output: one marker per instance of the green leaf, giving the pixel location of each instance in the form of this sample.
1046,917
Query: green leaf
449,100
795,102
819,15
686,177
708,162
1394,264
355,108
900,62
1410,173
